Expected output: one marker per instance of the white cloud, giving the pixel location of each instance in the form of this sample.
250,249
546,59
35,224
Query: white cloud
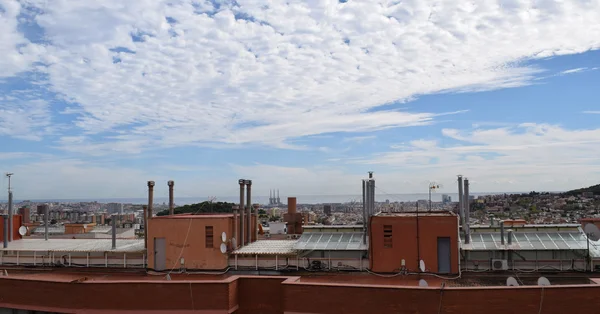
529,156
24,117
17,52
576,70
196,74
359,139
591,112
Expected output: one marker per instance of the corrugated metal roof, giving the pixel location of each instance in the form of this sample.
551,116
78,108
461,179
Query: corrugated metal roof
560,240
268,247
331,241
75,245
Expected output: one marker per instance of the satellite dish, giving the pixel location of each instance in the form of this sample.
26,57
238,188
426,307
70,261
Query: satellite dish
233,243
422,266
22,230
224,236
223,248
543,281
512,282
423,283
592,232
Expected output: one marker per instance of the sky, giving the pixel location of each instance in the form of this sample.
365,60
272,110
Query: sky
98,97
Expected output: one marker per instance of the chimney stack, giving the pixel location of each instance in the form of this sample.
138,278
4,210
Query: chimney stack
235,226
460,201
113,221
150,198
242,183
291,205
46,222
171,203
5,234
467,212
249,211
145,208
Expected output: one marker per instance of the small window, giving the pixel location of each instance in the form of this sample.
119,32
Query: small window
387,236
209,237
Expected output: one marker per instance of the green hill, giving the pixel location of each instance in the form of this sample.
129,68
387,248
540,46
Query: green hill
204,207
594,189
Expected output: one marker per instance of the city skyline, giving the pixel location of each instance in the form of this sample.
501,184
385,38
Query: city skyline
98,97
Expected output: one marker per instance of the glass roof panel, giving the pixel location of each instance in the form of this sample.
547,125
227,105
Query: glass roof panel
487,237
323,241
550,245
334,241
543,236
476,237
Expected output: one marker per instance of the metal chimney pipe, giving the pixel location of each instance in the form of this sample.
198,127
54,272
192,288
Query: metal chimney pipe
467,210
510,233
5,217
10,216
145,208
502,232
242,182
364,199
113,221
150,198
171,203
460,201
235,226
46,222
249,210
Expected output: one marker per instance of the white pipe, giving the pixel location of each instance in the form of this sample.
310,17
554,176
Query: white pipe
459,244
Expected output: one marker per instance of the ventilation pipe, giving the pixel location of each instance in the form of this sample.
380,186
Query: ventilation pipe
249,210
364,199
510,233
242,182
10,216
150,198
467,210
46,222
502,232
113,221
171,203
5,230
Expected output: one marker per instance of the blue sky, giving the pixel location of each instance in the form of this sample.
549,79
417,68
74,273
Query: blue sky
98,97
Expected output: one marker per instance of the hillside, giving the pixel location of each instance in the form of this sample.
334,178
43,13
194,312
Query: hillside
204,207
594,189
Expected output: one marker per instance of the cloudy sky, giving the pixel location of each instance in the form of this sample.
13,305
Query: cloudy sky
97,97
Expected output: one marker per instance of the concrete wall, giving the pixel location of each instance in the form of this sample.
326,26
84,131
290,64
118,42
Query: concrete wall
404,242
16,225
269,294
192,246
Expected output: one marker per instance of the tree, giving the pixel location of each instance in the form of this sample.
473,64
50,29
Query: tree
204,207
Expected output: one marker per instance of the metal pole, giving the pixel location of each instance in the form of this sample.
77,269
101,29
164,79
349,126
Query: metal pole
171,201
460,201
429,197
418,240
364,190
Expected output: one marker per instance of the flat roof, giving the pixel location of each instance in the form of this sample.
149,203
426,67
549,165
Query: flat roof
421,214
331,241
192,216
268,247
332,227
75,245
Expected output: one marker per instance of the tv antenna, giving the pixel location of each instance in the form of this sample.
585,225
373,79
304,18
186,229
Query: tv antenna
22,230
223,248
422,266
592,232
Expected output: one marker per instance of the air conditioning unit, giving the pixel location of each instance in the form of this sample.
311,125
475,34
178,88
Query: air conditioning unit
499,264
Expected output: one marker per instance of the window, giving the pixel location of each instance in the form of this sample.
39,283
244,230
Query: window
387,236
209,237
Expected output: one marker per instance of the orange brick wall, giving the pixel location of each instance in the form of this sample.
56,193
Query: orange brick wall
404,242
16,225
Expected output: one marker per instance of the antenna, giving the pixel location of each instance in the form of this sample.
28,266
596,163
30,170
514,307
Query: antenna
423,283
592,232
543,281
8,175
512,282
223,248
22,230
422,266
224,237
